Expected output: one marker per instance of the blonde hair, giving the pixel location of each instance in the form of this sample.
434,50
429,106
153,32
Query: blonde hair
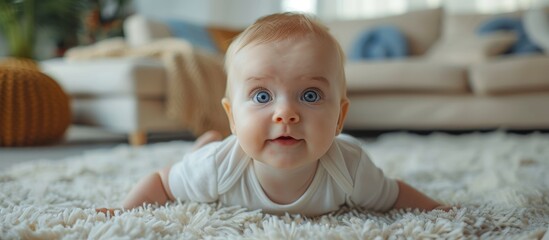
283,26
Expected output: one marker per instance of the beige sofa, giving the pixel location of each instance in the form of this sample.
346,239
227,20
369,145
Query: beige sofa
453,80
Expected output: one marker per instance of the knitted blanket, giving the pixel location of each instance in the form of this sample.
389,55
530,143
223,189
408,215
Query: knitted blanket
195,79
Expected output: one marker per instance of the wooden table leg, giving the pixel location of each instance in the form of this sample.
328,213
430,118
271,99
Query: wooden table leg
138,138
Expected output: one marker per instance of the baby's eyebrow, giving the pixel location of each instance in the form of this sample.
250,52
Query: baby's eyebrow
321,79
255,79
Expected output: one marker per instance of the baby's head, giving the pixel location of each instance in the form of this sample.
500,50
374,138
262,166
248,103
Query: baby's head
284,26
286,95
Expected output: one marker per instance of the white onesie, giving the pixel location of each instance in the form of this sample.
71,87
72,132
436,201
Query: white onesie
222,171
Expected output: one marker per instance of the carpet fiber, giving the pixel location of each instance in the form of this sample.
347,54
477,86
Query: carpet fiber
499,181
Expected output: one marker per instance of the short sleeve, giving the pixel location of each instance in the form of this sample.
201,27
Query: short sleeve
372,189
195,177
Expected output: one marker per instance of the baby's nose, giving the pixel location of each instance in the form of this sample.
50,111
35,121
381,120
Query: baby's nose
286,114
294,119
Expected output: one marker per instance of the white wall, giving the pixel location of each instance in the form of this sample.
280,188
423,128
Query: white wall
234,13
241,13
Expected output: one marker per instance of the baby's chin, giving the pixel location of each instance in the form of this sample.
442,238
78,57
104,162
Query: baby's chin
279,156
288,164
291,166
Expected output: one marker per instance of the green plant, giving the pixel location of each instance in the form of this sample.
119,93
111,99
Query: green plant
21,19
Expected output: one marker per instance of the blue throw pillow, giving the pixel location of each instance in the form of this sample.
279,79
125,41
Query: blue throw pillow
523,45
383,42
197,35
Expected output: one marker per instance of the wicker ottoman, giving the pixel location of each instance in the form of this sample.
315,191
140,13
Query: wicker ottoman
34,109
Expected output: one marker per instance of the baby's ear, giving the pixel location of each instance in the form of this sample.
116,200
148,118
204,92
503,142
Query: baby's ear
343,108
228,110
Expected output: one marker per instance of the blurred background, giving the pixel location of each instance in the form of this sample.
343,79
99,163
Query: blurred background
53,26
418,65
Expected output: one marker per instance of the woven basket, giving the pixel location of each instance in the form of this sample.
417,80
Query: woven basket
34,109
19,62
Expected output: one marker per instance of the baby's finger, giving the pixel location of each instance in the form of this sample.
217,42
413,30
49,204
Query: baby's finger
444,208
106,211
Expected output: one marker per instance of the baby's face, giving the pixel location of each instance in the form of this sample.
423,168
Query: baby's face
285,103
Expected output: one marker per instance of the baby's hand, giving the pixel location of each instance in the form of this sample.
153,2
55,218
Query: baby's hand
107,211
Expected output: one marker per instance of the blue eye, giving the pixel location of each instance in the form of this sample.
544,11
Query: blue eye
310,96
262,97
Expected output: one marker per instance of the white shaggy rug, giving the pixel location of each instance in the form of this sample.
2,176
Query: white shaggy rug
500,180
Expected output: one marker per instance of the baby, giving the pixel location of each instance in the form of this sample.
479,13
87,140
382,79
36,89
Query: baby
286,103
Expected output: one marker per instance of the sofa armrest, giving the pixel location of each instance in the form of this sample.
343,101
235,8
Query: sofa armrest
139,30
108,77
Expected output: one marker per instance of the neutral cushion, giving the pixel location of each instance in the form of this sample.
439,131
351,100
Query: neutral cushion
447,111
422,28
463,25
511,75
384,42
536,23
471,49
466,24
108,76
409,75
140,30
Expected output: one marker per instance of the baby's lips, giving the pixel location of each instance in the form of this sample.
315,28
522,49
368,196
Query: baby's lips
285,138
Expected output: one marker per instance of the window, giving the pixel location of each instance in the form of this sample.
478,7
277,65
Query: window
299,6
349,9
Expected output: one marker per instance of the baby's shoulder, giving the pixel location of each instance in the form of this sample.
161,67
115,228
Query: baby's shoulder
352,152
349,146
216,152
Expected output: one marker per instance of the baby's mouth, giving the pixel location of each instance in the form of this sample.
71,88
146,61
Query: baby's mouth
285,140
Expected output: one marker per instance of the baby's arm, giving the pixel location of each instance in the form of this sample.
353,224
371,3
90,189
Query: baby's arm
151,189
409,197
155,188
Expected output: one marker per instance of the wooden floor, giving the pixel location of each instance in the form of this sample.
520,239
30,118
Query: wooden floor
78,140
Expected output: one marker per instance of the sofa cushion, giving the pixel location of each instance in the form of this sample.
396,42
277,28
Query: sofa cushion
472,49
409,75
467,24
140,30
536,23
511,75
447,112
523,45
196,34
462,25
108,76
383,42
422,28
